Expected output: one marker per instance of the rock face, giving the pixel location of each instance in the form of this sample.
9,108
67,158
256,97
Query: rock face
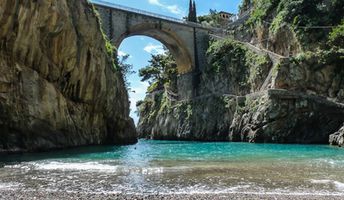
204,119
58,85
319,73
281,116
299,100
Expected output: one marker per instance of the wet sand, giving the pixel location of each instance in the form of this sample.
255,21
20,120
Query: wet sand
33,195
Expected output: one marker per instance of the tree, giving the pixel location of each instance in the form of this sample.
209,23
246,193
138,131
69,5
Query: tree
190,11
336,37
162,69
125,68
194,14
212,19
192,17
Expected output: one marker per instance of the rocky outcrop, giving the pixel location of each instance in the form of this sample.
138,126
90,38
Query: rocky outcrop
337,138
58,86
271,116
318,73
203,119
282,116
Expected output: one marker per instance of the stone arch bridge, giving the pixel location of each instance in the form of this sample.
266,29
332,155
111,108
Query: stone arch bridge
186,41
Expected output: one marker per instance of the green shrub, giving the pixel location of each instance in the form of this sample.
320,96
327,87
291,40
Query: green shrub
223,53
336,37
304,17
263,9
234,59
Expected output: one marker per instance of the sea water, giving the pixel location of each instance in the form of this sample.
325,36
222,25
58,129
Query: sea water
166,167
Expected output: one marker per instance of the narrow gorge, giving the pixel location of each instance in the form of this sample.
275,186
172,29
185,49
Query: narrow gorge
242,103
269,77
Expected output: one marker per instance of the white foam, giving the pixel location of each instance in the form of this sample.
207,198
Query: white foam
97,167
6,186
153,170
19,166
329,161
87,166
337,184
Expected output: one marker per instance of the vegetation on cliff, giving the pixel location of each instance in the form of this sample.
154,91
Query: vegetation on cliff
337,36
231,58
212,19
162,75
311,21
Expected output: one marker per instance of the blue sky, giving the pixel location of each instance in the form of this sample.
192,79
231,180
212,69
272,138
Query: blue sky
140,48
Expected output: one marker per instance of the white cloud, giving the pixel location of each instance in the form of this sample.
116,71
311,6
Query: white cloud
134,98
171,8
141,89
155,2
137,94
121,53
174,9
154,49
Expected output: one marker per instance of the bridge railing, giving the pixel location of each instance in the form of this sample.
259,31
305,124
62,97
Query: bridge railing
121,7
159,16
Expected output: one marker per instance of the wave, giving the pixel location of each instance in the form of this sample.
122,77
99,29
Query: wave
96,167
9,186
329,161
337,184
87,166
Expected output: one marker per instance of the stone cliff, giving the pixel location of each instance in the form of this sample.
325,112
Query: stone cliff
59,86
273,81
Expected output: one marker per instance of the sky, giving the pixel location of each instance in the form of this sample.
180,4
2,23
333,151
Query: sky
140,48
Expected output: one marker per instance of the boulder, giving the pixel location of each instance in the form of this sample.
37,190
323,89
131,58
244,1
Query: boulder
337,138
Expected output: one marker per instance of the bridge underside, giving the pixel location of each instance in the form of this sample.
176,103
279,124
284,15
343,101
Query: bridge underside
184,59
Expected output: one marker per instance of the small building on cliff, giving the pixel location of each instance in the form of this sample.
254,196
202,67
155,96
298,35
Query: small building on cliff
226,16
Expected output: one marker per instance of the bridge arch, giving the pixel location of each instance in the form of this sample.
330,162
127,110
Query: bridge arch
168,38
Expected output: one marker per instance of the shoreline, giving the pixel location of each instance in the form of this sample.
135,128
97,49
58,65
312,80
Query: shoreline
52,195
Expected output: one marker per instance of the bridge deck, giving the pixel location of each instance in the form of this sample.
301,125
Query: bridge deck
149,14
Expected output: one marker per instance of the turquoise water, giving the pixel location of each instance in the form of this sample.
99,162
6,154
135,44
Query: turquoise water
180,167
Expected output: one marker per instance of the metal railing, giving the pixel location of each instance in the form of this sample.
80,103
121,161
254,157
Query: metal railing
146,13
